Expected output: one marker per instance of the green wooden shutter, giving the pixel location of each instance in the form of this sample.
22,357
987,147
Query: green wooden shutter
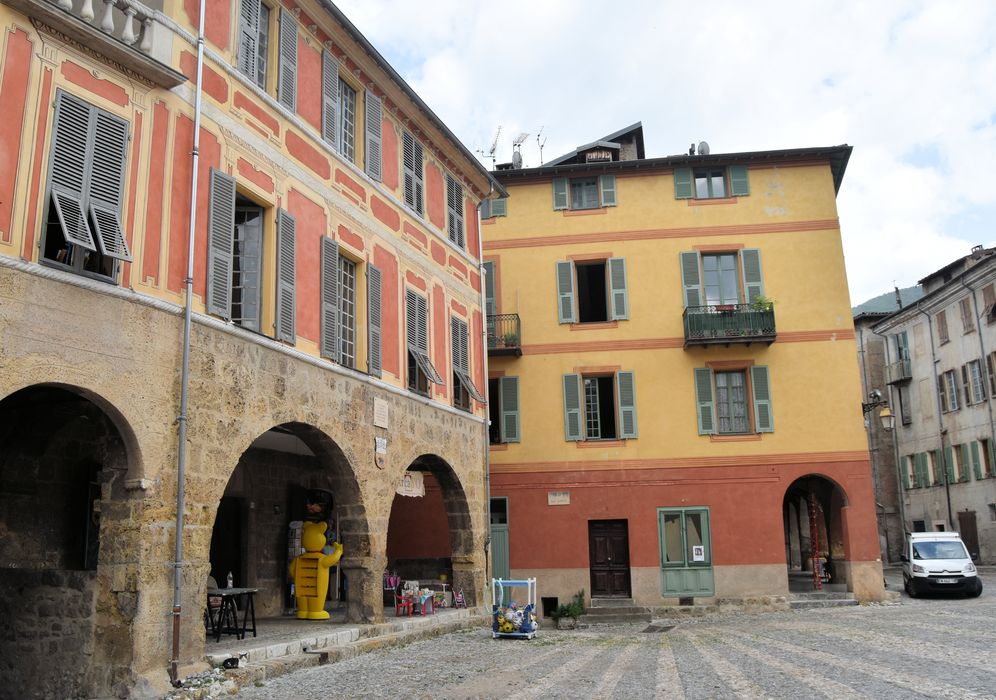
572,407
565,292
221,234
330,299
705,408
287,70
490,308
627,404
902,346
607,183
739,186
948,463
691,278
750,266
965,462
976,461
508,389
682,183
373,152
560,196
373,320
764,421
105,190
499,207
248,36
617,288
486,209
330,99
286,266
69,168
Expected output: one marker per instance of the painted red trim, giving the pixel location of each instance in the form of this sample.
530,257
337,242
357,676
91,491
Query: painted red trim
350,184
385,213
13,97
249,172
307,154
77,74
136,140
34,191
250,106
420,238
349,238
214,84
152,243
458,266
438,252
416,281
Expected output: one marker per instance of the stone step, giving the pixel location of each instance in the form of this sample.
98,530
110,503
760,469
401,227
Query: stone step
808,604
632,609
611,602
615,615
823,595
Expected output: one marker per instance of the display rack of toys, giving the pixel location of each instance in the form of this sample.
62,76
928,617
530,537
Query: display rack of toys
512,620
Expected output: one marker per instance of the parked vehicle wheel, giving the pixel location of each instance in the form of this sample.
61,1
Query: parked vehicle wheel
908,586
977,592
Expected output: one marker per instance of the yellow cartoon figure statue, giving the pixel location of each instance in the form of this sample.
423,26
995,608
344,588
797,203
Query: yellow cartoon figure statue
311,572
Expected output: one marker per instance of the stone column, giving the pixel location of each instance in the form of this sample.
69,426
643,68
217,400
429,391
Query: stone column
365,578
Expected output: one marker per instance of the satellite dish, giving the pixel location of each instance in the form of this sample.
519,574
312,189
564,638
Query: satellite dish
703,148
516,160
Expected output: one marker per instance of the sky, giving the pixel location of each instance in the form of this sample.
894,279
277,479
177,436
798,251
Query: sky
910,85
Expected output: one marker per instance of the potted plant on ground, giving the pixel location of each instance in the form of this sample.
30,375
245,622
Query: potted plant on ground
566,615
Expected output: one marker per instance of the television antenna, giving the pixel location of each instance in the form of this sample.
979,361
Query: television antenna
540,143
494,147
517,149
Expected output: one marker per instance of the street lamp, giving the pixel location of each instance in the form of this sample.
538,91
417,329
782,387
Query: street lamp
887,418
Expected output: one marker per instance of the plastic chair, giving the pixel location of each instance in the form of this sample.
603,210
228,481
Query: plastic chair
402,604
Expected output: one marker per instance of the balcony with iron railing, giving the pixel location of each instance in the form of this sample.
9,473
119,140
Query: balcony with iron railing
504,335
898,372
726,324
131,36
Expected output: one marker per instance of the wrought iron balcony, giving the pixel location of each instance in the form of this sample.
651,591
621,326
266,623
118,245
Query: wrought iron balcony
725,324
504,335
126,33
898,372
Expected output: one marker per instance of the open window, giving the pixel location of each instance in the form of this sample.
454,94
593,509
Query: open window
339,297
599,406
503,410
420,369
592,291
464,388
254,40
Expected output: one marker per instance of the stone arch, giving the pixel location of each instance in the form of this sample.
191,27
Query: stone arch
65,455
813,510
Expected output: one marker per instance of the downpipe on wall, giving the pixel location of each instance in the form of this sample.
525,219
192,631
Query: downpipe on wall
181,447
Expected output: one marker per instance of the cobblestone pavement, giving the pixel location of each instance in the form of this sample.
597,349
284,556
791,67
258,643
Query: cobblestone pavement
937,648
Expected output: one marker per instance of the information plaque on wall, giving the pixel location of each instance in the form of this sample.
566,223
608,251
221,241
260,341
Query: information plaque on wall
558,498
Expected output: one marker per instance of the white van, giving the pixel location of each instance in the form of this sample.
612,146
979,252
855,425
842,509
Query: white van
938,562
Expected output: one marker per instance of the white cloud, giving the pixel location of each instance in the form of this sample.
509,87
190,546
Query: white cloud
909,85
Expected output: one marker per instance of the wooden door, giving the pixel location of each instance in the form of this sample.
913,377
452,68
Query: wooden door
969,532
608,556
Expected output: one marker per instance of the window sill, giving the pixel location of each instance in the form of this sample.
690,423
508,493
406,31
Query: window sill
54,264
599,444
584,212
751,437
498,446
714,200
594,326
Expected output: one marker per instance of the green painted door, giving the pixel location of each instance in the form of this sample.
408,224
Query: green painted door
686,552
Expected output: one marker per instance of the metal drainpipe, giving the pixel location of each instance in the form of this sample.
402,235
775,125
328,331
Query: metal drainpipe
982,349
487,397
941,430
181,450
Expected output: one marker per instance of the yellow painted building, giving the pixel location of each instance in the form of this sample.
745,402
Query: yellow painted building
675,405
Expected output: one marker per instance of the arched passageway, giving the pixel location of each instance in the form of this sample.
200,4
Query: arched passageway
62,463
290,474
815,550
429,537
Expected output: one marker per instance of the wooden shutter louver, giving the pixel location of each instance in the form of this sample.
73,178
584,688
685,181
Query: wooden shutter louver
454,204
627,404
705,407
330,99
565,292
461,357
617,288
106,184
330,299
965,462
683,183
607,183
373,116
561,198
248,37
764,421
499,207
750,265
508,389
739,185
691,278
374,320
412,165
68,170
287,84
417,329
572,407
221,234
286,231
490,306
976,461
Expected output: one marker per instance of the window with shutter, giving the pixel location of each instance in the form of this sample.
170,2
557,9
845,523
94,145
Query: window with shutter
572,407
499,207
560,197
413,167
347,312
374,320
728,404
967,317
454,211
287,85
509,399
420,369
722,279
617,288
373,118
705,409
221,243
764,421
682,183
627,404
964,462
247,265
86,189
942,326
254,39
565,292
691,279
739,186
607,184
347,121
286,265
330,99
464,388
330,299
490,303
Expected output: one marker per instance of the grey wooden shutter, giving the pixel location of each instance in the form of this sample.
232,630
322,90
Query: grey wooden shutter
607,184
461,357
508,389
560,195
454,204
739,186
221,235
106,184
617,288
565,292
373,116
705,408
248,37
411,320
287,83
69,168
286,232
419,165
499,207
572,407
486,209
330,99
330,299
764,421
408,168
627,404
691,278
750,264
373,320
683,183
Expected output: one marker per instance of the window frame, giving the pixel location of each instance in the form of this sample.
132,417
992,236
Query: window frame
464,389
413,174
748,417
708,175
686,561
347,312
420,370
346,127
244,204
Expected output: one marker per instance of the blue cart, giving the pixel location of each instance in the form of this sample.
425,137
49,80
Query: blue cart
512,621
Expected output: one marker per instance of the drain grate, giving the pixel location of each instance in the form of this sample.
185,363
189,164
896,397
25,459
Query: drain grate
658,628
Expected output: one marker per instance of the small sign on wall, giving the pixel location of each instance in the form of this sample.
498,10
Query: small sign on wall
380,452
380,413
558,498
698,552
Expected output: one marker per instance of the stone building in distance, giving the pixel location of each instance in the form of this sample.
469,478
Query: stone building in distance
335,344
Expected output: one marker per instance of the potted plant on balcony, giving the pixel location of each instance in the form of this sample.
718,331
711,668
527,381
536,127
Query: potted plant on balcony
762,303
511,340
